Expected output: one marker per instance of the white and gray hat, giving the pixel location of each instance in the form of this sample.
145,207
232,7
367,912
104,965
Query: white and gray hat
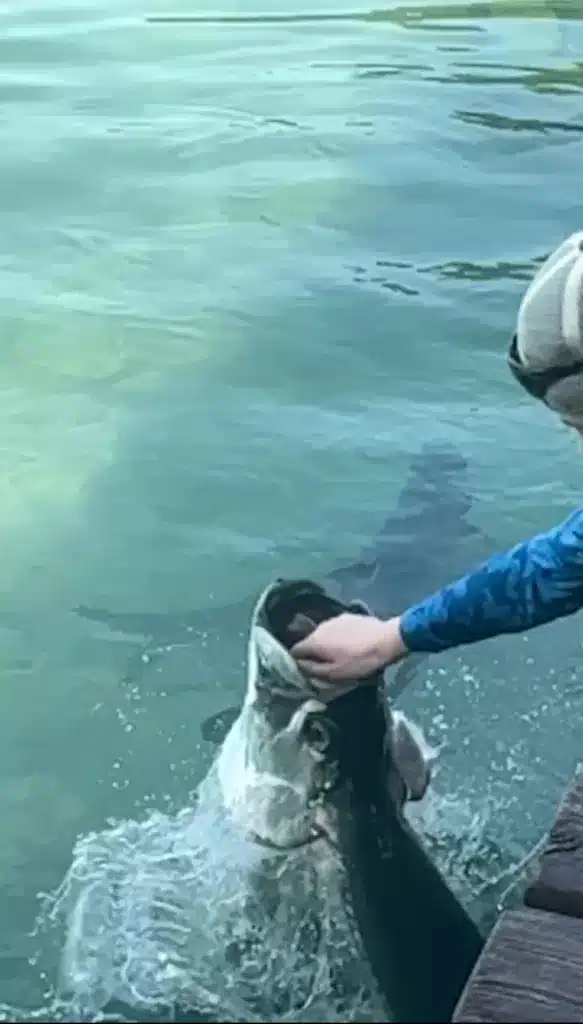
547,350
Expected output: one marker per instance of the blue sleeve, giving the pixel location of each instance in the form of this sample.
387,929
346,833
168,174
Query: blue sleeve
531,584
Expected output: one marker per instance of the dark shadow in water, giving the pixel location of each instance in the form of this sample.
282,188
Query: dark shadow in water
425,542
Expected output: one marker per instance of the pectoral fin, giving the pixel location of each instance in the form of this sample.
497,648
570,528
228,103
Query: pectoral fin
215,728
414,757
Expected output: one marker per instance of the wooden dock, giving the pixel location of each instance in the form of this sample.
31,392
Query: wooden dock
531,968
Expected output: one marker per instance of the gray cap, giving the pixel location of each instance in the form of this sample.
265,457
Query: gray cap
550,320
549,331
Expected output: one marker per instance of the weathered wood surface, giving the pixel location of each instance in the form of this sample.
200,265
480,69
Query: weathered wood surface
531,971
558,884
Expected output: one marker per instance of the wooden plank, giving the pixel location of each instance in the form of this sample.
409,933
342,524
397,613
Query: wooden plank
531,971
558,884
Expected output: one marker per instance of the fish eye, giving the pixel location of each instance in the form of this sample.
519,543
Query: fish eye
317,734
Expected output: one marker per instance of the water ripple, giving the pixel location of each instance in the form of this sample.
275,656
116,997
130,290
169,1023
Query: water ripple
410,16
249,264
502,122
538,80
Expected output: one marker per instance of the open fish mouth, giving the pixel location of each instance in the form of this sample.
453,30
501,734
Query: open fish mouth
291,756
287,612
280,764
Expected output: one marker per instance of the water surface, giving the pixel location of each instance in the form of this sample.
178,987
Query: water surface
250,265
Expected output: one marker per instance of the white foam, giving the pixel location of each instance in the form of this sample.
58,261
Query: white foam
171,911
184,909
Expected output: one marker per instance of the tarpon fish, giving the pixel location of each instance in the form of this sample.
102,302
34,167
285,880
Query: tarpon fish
319,768
423,544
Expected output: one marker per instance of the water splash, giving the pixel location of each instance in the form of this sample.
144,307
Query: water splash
181,912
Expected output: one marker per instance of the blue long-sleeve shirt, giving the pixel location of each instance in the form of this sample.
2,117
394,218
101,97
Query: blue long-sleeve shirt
533,583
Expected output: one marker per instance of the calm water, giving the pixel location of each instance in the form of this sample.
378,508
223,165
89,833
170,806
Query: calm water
249,266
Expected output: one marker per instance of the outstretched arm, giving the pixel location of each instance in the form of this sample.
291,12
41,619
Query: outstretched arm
533,583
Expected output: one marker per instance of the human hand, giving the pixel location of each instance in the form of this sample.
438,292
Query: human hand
350,647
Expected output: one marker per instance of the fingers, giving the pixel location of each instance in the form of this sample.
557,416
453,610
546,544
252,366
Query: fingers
314,662
303,649
324,670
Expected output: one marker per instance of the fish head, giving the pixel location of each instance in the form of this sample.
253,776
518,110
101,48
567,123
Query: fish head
298,743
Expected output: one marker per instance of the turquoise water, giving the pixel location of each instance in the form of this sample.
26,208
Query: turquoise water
249,266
